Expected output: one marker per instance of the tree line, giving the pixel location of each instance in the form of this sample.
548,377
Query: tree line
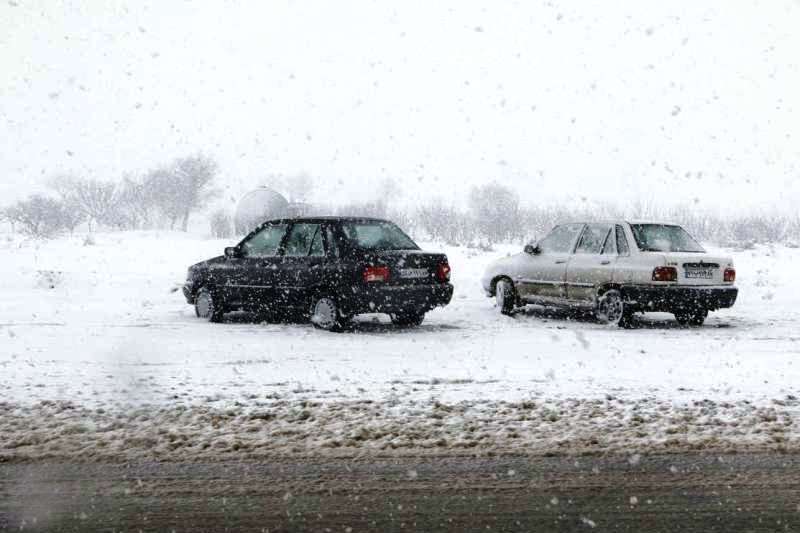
494,214
164,197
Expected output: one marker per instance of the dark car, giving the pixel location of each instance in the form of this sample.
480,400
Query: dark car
325,268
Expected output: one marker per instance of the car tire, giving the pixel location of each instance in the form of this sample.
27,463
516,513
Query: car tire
611,309
326,315
505,296
691,317
410,319
208,305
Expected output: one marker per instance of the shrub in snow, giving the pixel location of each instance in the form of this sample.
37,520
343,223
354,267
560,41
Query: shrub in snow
41,217
49,279
483,246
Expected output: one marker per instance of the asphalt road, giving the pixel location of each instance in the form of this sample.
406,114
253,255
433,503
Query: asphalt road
627,494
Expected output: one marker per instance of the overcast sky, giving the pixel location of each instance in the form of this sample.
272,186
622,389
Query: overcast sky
657,101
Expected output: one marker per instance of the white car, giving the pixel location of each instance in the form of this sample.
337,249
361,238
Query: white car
616,269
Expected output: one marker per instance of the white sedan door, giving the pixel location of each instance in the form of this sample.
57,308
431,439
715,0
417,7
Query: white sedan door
543,274
592,264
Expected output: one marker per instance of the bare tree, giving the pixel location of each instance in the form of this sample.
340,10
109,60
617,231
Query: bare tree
5,216
181,187
166,191
496,210
388,192
70,216
136,206
445,223
95,199
194,176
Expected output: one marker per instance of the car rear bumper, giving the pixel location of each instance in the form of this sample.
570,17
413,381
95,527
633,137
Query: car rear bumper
397,298
672,297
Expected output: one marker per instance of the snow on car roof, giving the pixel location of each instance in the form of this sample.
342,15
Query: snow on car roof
621,221
326,218
657,222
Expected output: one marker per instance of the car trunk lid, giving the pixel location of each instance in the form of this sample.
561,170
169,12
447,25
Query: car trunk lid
409,267
698,268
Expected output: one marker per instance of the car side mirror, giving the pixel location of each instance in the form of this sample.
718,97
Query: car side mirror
232,251
532,249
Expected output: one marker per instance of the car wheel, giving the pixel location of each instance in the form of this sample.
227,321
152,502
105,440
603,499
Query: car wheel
691,317
207,306
409,319
611,309
505,296
325,314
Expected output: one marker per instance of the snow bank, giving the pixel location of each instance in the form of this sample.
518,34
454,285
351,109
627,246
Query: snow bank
265,428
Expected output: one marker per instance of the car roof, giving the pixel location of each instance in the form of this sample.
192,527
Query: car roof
320,219
616,221
656,222
621,221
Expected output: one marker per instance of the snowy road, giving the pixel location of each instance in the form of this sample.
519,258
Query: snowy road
655,494
89,332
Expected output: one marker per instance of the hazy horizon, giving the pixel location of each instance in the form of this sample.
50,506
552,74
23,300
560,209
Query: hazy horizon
650,101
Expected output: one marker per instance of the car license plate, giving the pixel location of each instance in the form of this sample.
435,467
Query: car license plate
415,273
699,273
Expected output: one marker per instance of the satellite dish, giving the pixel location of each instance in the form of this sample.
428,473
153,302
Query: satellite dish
258,206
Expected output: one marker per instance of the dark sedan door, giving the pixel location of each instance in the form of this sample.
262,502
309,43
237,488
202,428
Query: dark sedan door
302,268
253,277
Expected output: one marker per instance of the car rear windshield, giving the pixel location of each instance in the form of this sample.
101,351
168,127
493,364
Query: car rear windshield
664,238
378,236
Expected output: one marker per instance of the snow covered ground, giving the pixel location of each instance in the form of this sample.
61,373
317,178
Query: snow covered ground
99,357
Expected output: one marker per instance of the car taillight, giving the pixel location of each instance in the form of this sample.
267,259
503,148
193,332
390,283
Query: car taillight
730,275
376,273
443,272
665,274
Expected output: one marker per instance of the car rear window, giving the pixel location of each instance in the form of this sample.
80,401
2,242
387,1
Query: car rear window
664,238
377,236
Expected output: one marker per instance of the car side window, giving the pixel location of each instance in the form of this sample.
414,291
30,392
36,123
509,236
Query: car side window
560,239
610,248
622,242
593,239
266,242
317,247
300,240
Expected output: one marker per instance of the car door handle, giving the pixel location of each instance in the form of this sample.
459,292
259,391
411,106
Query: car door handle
606,262
561,261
